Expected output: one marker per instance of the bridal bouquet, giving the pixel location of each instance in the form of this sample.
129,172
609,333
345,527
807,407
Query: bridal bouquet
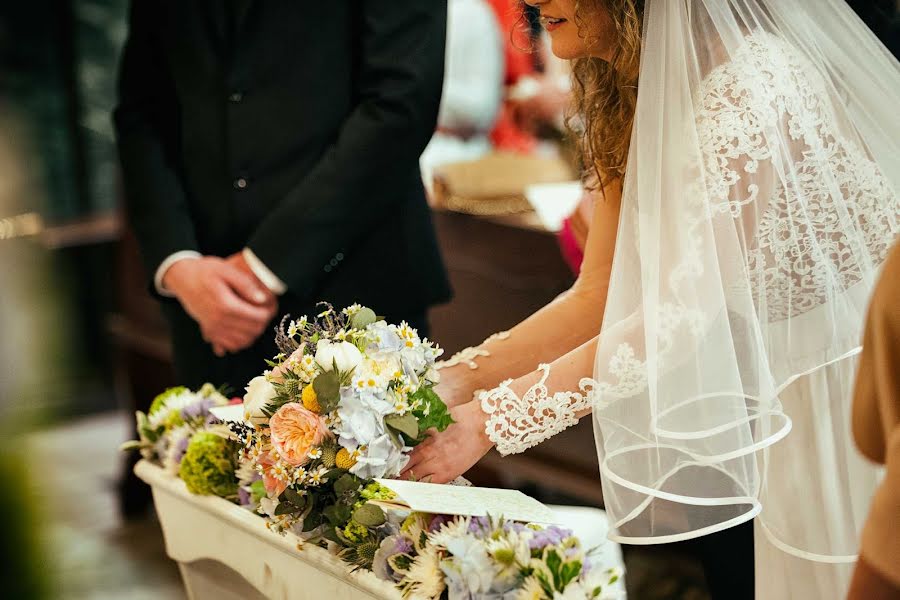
345,403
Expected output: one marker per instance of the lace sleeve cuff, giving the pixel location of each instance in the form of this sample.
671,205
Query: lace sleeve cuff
516,424
469,355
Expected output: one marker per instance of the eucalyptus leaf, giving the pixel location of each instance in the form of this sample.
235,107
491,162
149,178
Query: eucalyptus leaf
395,438
406,424
286,508
328,390
346,483
294,498
363,318
312,520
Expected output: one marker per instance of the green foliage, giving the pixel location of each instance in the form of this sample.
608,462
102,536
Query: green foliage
369,515
363,318
561,572
406,424
432,414
208,465
258,490
347,483
328,390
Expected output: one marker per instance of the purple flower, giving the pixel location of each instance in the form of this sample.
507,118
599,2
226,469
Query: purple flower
479,526
244,497
198,409
438,521
403,545
551,536
180,449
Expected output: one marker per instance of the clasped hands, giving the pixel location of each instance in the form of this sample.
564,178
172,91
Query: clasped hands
231,305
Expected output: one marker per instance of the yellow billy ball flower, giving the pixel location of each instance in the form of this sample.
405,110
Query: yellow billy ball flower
310,399
344,460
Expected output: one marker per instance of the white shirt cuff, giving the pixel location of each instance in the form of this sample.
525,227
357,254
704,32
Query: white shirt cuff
164,266
263,273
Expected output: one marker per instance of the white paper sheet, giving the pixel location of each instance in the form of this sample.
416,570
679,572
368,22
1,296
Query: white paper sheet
512,505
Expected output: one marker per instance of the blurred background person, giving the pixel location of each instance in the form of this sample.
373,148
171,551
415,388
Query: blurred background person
876,429
472,90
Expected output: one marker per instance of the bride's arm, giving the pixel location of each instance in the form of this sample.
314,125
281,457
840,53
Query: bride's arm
568,322
564,334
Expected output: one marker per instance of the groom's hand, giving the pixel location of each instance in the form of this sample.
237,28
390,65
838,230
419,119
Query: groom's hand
231,306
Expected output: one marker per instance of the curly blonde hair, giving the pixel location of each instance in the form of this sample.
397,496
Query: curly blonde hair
605,92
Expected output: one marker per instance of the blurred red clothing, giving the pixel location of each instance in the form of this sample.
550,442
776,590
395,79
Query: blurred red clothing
519,61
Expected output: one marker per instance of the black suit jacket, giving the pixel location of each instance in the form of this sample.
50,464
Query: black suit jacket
291,128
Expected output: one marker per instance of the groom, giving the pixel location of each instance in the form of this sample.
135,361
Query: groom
270,159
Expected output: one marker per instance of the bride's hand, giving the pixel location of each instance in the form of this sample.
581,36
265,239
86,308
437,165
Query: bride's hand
445,456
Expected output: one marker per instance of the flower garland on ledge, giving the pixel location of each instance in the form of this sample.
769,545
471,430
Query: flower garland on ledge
344,403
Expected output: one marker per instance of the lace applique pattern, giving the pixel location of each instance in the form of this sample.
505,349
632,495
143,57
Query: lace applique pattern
802,244
469,355
516,424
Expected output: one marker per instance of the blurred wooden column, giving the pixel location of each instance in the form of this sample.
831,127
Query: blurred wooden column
503,269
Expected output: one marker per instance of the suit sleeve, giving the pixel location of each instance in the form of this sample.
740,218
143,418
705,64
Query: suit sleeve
146,132
399,79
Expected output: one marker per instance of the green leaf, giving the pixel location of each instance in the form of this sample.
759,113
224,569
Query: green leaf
328,390
331,535
432,414
312,520
369,515
294,498
258,490
554,564
286,508
333,474
406,424
337,514
132,445
346,483
570,571
395,438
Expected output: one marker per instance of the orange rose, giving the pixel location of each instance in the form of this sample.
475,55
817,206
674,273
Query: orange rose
295,431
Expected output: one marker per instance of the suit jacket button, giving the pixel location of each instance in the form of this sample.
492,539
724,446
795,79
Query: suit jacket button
235,97
240,183
334,262
328,268
339,256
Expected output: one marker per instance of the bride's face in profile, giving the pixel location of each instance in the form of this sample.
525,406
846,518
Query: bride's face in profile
590,32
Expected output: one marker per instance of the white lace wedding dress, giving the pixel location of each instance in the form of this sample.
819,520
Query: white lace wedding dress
759,203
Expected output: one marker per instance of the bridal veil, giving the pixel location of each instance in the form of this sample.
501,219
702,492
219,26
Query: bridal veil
759,203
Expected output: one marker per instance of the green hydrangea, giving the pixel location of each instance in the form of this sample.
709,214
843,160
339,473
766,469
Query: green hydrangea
208,466
376,491
354,532
160,400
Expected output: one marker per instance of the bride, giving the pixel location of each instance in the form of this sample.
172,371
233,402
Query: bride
745,159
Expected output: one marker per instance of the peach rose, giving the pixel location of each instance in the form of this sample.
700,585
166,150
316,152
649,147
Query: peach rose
295,431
